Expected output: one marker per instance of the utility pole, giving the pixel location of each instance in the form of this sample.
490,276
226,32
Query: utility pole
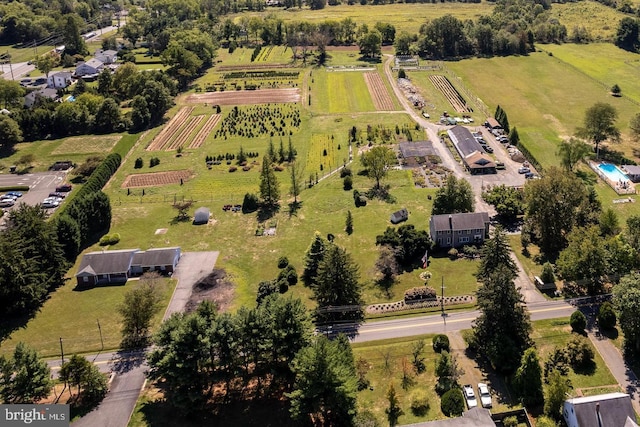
101,340
61,351
442,299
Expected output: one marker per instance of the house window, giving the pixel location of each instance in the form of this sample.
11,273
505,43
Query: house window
85,279
463,240
477,237
448,231
448,240
459,231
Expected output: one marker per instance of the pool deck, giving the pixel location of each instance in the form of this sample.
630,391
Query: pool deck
620,188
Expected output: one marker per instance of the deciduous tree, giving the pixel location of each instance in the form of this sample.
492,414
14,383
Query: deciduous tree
47,62
555,394
508,201
91,384
585,257
634,127
599,125
571,152
455,196
138,308
377,161
10,132
626,299
370,44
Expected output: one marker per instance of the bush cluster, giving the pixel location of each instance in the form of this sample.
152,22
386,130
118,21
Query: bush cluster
358,199
109,239
154,161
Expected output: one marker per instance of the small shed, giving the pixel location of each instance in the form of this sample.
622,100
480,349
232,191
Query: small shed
632,171
201,216
399,216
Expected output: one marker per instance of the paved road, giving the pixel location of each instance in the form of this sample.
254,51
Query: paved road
129,369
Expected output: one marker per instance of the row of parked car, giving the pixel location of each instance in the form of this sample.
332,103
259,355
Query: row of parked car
56,197
470,396
9,199
483,143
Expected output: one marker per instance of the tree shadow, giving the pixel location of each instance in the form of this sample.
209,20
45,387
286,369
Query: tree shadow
294,207
266,212
126,360
385,284
382,193
611,334
180,218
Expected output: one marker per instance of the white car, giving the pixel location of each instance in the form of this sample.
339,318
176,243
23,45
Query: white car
50,202
485,395
469,396
7,203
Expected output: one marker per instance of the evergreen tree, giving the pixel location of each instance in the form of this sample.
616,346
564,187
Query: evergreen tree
337,285
502,330
241,157
528,379
271,151
349,223
291,152
296,181
281,152
314,256
269,188
25,378
73,41
394,411
495,253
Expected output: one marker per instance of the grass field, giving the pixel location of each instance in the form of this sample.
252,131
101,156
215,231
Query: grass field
404,16
87,144
549,110
339,92
599,20
268,55
74,315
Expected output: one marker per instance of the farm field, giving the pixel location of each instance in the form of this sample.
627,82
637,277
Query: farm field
544,112
339,92
404,16
268,55
599,20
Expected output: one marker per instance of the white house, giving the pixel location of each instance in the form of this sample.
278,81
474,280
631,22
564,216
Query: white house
59,80
106,56
92,66
604,410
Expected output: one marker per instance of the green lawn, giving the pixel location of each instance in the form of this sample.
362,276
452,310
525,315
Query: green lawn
339,92
74,315
549,110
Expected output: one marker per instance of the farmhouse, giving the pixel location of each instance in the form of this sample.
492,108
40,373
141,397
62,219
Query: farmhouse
455,230
59,80
632,171
610,410
115,267
92,66
471,151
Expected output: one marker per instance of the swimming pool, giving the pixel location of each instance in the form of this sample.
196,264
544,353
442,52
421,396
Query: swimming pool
613,173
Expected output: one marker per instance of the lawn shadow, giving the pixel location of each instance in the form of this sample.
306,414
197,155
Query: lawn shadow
385,284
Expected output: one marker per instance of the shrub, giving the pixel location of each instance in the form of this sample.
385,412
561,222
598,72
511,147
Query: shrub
402,74
345,171
109,239
138,163
347,184
440,343
154,161
419,403
511,421
283,261
250,203
580,353
233,168
452,403
283,286
547,275
545,421
578,321
453,253
606,316
420,293
470,251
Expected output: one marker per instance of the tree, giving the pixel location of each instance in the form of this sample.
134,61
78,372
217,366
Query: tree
370,44
508,201
68,233
269,188
555,394
634,127
158,99
578,321
138,308
105,82
377,161
393,411
599,125
408,244
528,379
552,207
140,114
183,209
626,299
633,231
514,136
47,62
606,316
325,383
417,350
571,152
502,330
455,196
547,275
296,181
183,64
496,253
447,371
315,255
10,132
349,223
402,43
609,223
585,257
615,90
440,343
337,286
387,264
91,384
108,118
24,378
73,41
628,34
452,403
11,93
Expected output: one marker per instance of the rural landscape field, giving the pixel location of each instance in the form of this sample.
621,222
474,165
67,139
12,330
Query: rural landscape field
318,114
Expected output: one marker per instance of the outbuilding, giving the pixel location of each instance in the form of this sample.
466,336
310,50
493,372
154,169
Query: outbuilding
201,216
399,216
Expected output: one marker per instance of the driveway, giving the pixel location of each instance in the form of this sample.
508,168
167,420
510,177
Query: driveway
129,372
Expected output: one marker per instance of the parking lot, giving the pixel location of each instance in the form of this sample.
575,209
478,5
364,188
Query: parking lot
40,185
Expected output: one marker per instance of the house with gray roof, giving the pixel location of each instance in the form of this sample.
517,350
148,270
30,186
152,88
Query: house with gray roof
459,229
92,66
471,151
107,56
632,171
45,93
476,417
115,267
59,80
603,410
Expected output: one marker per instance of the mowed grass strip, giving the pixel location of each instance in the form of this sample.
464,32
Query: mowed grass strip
87,144
544,112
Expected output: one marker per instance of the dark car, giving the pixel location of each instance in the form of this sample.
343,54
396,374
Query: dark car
65,188
58,195
14,193
529,175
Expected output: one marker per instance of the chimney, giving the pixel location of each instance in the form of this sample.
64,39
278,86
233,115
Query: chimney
450,223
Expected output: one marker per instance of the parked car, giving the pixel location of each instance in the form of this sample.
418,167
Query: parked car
7,196
50,202
14,193
524,170
58,195
487,149
65,188
469,396
485,395
500,166
529,175
7,203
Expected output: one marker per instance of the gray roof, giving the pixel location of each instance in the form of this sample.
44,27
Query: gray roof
463,140
416,149
614,410
109,52
106,262
45,93
493,122
399,216
66,74
155,257
476,417
631,169
94,63
460,221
